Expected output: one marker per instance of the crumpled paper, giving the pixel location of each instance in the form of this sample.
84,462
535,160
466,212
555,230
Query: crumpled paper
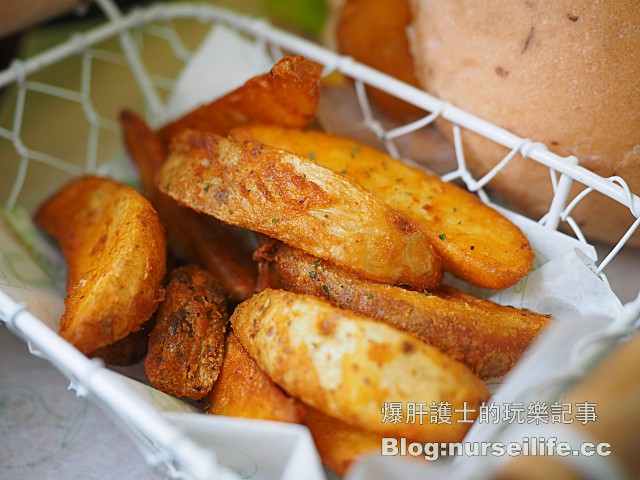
224,61
563,284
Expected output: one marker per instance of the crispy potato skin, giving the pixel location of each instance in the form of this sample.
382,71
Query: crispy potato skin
487,337
114,245
347,365
293,199
476,242
219,248
186,345
374,33
244,390
287,95
339,443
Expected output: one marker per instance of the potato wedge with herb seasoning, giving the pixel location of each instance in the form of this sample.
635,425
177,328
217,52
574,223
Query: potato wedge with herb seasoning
348,365
114,245
186,345
287,95
291,198
244,390
219,248
487,337
476,242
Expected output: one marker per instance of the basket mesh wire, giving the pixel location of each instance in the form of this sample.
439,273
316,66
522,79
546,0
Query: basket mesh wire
119,51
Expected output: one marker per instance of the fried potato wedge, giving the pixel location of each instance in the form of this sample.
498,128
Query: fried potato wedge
144,148
348,365
287,95
186,345
220,249
487,337
375,33
476,242
114,245
244,390
223,250
339,443
291,198
128,350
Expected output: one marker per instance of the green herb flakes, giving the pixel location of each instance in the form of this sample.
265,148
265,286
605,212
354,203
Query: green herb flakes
314,272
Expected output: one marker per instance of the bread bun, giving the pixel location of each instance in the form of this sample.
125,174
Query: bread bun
565,76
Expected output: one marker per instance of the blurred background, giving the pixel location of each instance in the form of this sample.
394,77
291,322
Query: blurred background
30,25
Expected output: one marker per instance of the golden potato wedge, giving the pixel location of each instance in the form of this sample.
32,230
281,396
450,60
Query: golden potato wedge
287,95
487,337
375,33
339,444
114,245
291,198
186,345
348,365
219,248
244,390
476,242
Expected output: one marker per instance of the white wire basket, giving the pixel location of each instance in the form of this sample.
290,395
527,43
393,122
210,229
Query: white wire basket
120,42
